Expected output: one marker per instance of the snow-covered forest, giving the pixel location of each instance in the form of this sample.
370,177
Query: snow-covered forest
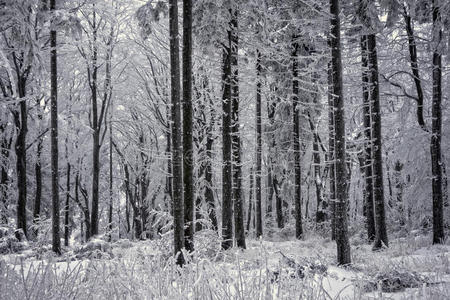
224,149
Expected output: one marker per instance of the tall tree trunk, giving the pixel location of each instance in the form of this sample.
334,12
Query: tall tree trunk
21,156
56,242
110,209
95,134
278,202
177,151
188,148
67,208
436,156
368,161
250,200
415,67
209,193
296,141
239,230
4,178
38,195
227,208
258,175
342,241
331,151
377,161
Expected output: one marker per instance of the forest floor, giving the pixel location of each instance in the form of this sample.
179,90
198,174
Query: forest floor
268,269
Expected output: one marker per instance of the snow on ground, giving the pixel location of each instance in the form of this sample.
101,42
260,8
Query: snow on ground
409,269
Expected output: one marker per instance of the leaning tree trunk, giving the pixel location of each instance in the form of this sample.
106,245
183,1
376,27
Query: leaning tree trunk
188,167
377,158
56,242
178,205
342,241
239,230
227,209
258,175
296,142
436,156
368,161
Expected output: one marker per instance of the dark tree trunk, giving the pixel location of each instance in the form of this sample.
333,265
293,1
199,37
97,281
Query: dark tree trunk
177,151
321,215
188,158
278,202
436,156
227,205
239,230
342,241
95,135
258,175
67,208
4,178
415,68
21,120
296,141
331,152
269,192
56,242
110,208
250,200
377,158
368,161
38,195
209,193
169,177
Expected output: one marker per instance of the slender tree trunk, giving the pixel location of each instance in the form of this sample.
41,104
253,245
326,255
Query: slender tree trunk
177,147
258,175
269,192
331,151
56,242
67,208
209,193
368,188
250,200
96,135
38,195
278,203
239,230
296,141
377,162
436,156
110,209
21,157
342,241
188,148
4,178
415,68
227,208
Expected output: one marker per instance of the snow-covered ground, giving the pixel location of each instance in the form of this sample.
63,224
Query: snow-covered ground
408,269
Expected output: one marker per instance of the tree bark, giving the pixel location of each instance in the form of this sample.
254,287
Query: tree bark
67,208
227,209
377,162
331,151
415,68
342,240
296,141
239,230
188,158
110,208
436,155
56,242
177,151
258,175
38,195
250,200
368,161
